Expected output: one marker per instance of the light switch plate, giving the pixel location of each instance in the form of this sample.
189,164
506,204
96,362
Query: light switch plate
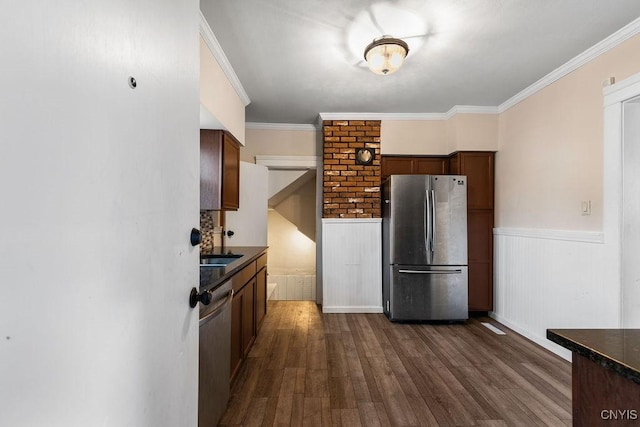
585,208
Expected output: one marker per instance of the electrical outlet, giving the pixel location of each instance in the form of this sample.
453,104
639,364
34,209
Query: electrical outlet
585,208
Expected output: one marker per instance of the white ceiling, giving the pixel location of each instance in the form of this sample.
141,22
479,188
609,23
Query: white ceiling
296,58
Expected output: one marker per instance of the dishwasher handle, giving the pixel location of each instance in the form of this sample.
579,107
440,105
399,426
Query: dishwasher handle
218,308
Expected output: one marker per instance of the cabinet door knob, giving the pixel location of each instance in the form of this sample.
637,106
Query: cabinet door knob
195,297
230,233
196,237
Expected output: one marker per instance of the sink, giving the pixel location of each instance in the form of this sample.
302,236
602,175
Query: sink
229,255
218,260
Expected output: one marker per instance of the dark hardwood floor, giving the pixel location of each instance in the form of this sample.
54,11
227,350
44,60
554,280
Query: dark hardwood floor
310,368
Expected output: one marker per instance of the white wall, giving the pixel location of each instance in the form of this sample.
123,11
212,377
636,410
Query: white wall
249,222
99,192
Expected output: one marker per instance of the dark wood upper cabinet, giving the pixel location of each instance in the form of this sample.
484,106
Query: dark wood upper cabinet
405,165
478,167
430,165
219,170
395,165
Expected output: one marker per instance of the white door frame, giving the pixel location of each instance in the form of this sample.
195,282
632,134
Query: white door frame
614,97
306,163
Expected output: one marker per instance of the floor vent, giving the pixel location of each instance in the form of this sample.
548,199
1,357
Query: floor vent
493,329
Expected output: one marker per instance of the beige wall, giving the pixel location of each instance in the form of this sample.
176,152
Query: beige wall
300,208
290,251
473,132
413,137
259,142
550,148
463,131
218,96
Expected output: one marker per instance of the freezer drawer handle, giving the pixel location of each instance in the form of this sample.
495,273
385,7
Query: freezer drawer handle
430,271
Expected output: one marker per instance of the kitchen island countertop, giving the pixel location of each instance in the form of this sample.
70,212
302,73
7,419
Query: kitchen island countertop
615,349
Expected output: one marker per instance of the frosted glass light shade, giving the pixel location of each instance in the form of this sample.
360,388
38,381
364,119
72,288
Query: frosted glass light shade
385,55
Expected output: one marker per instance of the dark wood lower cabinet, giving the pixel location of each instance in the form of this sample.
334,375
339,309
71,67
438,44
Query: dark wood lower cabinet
480,253
261,296
480,286
602,397
248,309
248,316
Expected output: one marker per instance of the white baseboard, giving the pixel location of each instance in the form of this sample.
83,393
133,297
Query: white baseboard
351,309
541,341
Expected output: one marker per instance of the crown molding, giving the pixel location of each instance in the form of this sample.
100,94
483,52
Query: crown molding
456,109
470,109
381,116
281,126
590,54
215,48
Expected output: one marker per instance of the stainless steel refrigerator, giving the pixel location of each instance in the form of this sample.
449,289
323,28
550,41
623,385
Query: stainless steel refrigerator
424,233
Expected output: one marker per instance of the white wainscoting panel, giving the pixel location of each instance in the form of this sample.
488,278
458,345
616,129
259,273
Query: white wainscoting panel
553,279
352,265
293,286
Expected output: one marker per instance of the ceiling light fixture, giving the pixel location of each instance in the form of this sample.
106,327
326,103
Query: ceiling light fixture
385,54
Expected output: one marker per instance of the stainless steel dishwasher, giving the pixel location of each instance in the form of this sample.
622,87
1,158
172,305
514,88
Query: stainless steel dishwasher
215,351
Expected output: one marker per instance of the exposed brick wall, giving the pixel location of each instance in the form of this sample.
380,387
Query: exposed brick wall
350,190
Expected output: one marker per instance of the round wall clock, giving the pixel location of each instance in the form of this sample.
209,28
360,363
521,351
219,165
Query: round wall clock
364,156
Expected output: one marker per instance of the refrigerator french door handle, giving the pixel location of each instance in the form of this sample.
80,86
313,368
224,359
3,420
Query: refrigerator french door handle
433,220
430,271
427,223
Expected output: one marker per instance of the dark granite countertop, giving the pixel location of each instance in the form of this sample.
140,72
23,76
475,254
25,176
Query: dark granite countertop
615,349
211,277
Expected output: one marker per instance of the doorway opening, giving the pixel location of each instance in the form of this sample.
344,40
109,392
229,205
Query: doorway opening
291,227
630,212
621,223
